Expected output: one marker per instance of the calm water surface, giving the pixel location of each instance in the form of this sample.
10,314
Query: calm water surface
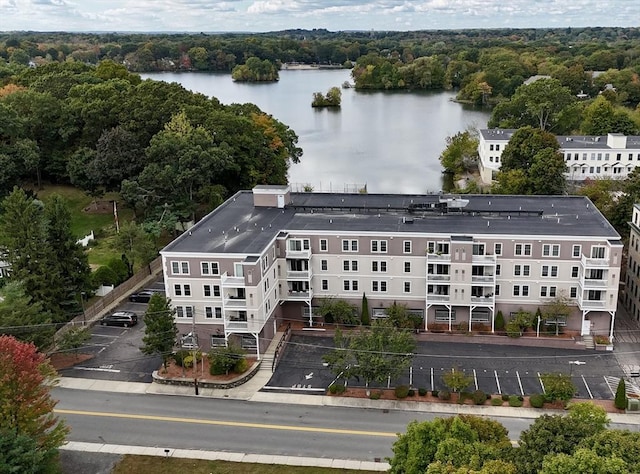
389,141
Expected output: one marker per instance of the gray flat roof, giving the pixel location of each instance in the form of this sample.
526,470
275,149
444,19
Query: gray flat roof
239,227
566,142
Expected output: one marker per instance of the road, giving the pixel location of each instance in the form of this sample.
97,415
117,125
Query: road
229,425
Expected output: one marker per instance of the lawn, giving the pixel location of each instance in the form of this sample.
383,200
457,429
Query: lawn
87,215
159,465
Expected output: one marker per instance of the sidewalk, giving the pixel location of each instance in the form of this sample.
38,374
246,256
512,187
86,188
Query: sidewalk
226,456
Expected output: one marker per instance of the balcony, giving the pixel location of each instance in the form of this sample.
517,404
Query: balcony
235,303
306,254
434,257
592,304
299,295
232,281
483,279
594,262
438,298
484,259
298,274
483,300
251,326
438,277
592,283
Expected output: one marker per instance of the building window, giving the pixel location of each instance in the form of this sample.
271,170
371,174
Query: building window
184,311
597,252
349,245
574,272
523,249
350,285
180,268
210,268
497,290
350,265
377,266
497,248
179,312
550,271
478,249
325,285
573,292
407,287
187,290
208,312
379,246
407,267
324,265
552,291
407,246
177,290
216,290
324,245
543,291
521,270
379,286
520,290
577,250
207,290
549,250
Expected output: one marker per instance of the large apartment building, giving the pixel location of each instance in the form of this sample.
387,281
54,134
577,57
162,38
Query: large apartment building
613,156
632,286
268,256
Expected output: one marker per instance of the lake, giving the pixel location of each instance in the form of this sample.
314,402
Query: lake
389,141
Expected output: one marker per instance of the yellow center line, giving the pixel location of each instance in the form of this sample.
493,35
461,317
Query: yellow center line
237,424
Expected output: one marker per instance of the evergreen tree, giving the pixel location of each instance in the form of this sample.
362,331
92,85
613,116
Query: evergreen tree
620,400
365,318
161,330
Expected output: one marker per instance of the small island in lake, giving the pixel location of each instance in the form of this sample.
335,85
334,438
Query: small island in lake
255,70
332,98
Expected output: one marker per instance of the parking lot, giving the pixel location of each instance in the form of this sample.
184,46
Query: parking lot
116,351
495,369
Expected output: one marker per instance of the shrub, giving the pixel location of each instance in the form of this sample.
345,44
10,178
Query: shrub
505,397
513,329
333,388
620,400
497,402
435,393
222,360
479,397
514,401
444,395
375,395
422,391
241,366
337,388
180,355
412,392
402,391
499,323
536,400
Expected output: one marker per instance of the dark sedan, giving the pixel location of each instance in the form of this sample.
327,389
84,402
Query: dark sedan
144,296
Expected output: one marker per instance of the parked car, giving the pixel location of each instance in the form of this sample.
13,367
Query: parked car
144,296
120,318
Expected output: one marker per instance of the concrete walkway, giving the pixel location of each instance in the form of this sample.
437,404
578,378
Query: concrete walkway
226,456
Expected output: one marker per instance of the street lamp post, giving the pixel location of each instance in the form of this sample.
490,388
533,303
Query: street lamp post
84,314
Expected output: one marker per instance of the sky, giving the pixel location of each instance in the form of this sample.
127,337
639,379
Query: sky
334,15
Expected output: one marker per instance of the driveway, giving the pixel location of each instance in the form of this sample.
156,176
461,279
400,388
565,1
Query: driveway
512,370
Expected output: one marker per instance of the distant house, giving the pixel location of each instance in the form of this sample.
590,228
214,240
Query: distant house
611,156
535,78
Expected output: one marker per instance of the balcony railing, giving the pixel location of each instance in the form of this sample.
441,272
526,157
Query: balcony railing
253,325
594,262
298,274
438,277
439,298
299,295
434,257
482,278
235,303
232,281
298,253
592,304
488,300
486,259
592,283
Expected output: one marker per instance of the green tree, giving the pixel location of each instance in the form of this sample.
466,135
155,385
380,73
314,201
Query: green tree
135,245
583,460
160,328
338,312
557,311
558,387
620,400
21,317
73,339
478,440
365,317
372,354
456,380
222,360
399,316
461,152
20,453
602,117
545,104
620,443
255,70
26,406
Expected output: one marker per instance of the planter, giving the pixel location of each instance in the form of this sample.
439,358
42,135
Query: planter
604,347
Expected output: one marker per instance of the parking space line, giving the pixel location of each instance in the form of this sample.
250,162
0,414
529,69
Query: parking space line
613,394
432,386
541,383
497,382
587,387
104,335
520,383
475,378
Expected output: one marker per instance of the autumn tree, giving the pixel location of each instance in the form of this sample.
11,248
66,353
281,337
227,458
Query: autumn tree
26,406
461,152
160,328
